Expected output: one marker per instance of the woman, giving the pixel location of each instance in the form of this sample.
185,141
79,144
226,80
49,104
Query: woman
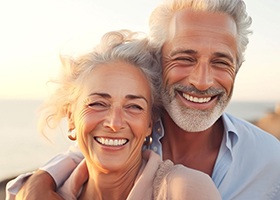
110,97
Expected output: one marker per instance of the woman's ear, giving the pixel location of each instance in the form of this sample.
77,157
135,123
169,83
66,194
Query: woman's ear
150,129
70,119
149,139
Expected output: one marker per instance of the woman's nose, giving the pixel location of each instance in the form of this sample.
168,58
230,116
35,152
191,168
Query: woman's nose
114,120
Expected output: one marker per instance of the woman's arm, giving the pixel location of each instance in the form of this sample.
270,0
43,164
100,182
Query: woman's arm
185,183
39,186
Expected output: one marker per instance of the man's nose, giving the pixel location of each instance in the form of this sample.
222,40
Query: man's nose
201,76
114,120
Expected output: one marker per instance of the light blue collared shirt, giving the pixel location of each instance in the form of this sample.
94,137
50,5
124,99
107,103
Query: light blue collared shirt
248,163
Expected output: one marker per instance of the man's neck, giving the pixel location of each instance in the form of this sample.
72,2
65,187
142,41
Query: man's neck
197,150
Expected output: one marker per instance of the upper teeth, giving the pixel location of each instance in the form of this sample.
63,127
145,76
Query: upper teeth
196,99
111,142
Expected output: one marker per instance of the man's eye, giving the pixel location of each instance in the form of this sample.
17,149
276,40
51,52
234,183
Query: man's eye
222,63
187,59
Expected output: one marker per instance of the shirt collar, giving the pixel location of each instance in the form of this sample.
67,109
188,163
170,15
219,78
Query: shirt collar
230,135
230,131
158,129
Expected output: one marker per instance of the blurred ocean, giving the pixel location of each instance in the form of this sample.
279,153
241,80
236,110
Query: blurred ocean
24,149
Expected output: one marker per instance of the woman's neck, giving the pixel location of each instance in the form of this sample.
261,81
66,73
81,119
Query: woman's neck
111,185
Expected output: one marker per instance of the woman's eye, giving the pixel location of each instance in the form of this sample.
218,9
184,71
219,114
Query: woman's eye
135,107
97,105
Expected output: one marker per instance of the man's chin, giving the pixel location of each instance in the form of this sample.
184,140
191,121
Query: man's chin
191,120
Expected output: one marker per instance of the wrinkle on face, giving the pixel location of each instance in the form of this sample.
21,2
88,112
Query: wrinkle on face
200,55
115,102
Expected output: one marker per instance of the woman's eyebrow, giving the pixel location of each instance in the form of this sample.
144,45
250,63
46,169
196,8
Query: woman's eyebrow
108,96
132,96
102,94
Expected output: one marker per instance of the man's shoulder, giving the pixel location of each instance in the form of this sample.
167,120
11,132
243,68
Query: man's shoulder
253,140
245,129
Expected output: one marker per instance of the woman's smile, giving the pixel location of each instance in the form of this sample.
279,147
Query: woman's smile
111,141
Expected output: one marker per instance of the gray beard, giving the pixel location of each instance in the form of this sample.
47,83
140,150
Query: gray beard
193,120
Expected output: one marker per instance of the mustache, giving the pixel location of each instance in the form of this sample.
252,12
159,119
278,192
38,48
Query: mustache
193,90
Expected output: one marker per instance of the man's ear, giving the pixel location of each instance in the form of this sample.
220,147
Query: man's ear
70,119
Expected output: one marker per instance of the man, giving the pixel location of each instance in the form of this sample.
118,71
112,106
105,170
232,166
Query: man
202,44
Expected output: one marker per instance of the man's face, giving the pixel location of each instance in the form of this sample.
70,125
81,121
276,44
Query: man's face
199,67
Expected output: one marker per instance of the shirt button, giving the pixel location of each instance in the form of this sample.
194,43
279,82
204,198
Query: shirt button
155,149
159,130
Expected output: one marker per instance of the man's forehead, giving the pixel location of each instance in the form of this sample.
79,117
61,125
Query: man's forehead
188,18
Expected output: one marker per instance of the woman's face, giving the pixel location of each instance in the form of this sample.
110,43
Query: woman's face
112,117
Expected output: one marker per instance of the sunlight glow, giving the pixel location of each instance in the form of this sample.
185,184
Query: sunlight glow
34,33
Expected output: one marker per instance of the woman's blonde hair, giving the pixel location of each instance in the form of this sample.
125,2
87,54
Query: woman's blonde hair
123,45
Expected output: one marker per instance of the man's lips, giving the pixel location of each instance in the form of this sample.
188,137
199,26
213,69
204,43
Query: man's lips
111,141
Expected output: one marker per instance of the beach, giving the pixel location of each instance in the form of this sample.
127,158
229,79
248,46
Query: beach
24,149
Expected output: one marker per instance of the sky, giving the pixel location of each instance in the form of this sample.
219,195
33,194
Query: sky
35,32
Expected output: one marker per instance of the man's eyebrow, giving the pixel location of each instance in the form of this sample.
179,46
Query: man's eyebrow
224,55
181,51
192,52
